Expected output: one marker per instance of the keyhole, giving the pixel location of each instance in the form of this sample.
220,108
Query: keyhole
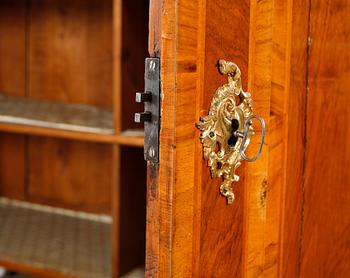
234,127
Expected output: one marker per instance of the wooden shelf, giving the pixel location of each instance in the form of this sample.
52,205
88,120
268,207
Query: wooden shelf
62,120
131,137
56,115
43,240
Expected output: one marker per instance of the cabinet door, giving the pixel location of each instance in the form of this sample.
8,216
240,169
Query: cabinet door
191,229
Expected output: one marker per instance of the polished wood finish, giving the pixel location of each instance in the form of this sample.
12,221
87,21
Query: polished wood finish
291,202
325,250
282,224
221,227
189,225
160,181
152,260
277,80
257,200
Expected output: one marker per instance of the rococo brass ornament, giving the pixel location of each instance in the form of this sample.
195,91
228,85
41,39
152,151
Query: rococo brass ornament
227,129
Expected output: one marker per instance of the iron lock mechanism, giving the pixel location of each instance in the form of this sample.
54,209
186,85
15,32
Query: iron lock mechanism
227,129
150,117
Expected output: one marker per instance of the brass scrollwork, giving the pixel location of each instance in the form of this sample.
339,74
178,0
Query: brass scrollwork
226,130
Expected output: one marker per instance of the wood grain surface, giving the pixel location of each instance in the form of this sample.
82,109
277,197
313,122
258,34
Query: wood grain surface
277,80
12,47
257,200
63,60
70,51
325,250
161,177
296,196
12,82
183,209
190,223
291,202
153,225
65,173
221,236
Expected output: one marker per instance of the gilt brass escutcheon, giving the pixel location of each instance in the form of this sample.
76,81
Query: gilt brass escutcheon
227,129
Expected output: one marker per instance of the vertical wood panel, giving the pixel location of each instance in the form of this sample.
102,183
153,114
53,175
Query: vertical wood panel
186,54
70,60
260,85
291,203
70,174
193,218
326,225
12,166
12,47
12,82
161,177
153,212
277,80
70,51
221,236
271,192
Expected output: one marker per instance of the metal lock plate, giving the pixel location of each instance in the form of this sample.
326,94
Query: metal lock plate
151,114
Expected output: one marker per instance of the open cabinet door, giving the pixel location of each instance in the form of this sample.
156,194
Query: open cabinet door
191,228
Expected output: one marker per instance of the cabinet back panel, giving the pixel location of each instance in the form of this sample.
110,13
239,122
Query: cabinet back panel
12,166
70,59
12,82
70,174
70,51
12,47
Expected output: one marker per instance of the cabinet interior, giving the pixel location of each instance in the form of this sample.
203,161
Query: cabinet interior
69,147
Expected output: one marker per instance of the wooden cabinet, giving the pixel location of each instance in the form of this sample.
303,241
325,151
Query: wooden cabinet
75,200
72,174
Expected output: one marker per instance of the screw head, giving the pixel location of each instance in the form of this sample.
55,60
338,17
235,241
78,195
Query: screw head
151,152
152,65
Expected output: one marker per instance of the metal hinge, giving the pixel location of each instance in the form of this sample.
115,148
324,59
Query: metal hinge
151,115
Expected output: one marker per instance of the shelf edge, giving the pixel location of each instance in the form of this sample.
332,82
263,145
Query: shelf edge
133,141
